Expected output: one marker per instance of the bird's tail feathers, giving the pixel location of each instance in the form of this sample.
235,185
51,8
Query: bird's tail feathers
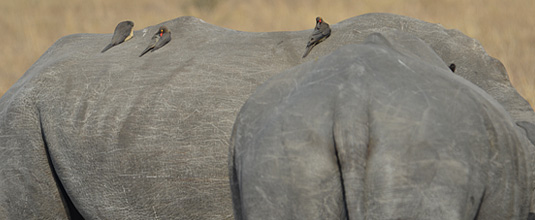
107,48
145,51
306,52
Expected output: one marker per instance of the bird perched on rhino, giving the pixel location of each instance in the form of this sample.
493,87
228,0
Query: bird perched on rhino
123,32
321,32
158,40
452,67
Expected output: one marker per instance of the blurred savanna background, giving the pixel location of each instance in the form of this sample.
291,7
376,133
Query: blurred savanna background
506,29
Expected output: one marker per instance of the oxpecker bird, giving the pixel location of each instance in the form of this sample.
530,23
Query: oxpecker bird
158,40
123,32
321,32
452,67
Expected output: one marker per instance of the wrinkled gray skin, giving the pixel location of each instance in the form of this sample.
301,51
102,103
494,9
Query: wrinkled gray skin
380,130
112,136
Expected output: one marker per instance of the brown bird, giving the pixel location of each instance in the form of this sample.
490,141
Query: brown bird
158,40
321,32
123,32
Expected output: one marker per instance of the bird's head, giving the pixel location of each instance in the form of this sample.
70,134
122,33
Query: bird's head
452,67
162,30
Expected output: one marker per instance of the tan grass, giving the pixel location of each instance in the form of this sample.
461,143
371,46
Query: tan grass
505,28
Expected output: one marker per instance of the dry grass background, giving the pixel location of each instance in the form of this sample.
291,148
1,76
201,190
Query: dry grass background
505,28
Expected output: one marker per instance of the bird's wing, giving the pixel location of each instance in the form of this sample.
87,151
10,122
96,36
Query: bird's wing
153,41
325,29
163,41
126,34
315,37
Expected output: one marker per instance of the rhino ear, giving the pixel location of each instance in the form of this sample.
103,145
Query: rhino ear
530,132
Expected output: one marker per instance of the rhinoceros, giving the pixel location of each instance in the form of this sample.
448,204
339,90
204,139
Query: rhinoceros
93,135
378,130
